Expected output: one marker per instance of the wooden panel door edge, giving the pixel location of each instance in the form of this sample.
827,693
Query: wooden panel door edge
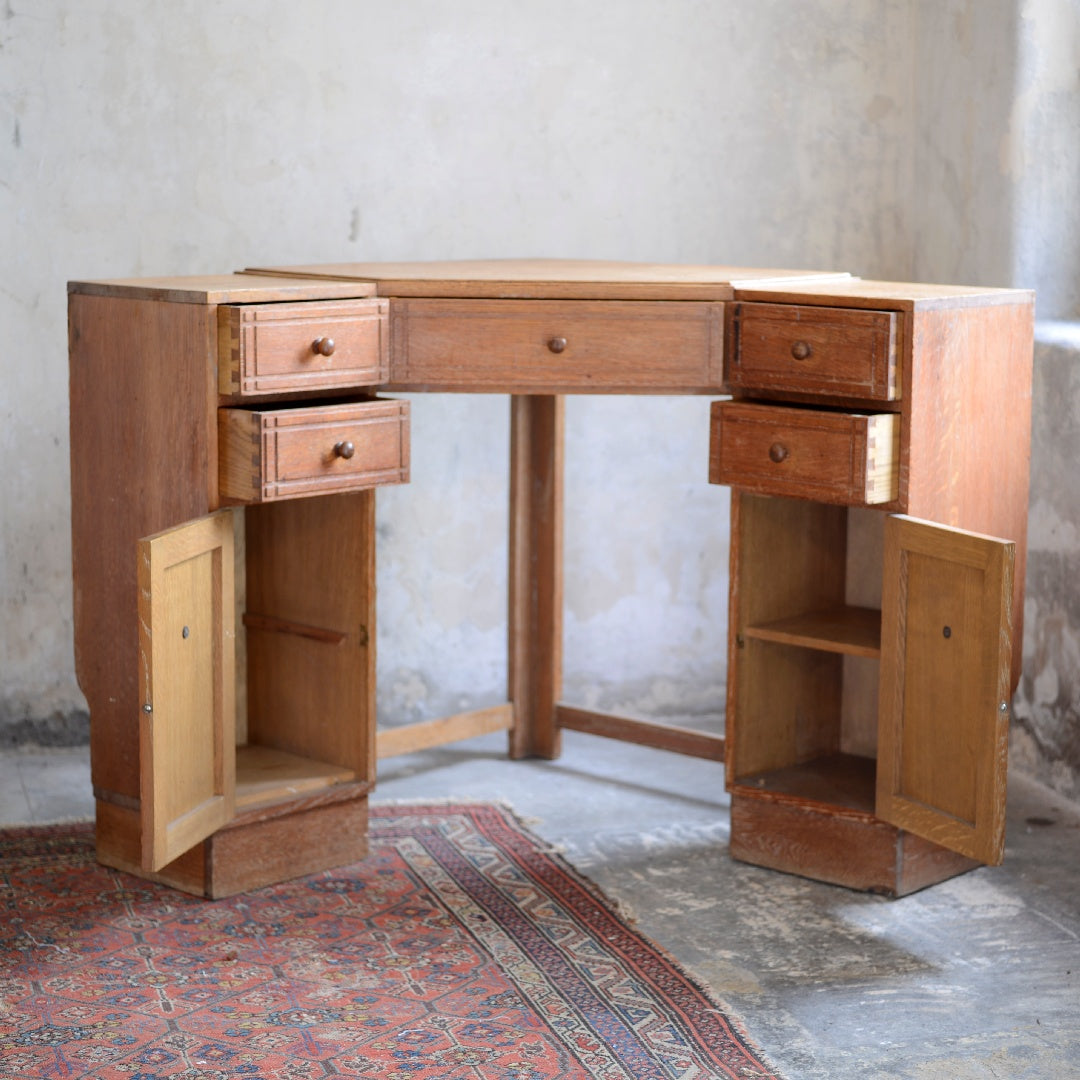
943,710
187,676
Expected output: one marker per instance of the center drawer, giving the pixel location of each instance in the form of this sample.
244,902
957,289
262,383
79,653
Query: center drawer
266,455
552,346
832,457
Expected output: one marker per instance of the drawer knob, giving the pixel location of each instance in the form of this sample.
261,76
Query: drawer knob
557,344
778,452
344,450
324,346
801,350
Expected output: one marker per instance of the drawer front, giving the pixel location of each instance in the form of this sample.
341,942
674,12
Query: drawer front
552,346
846,458
286,453
842,352
278,348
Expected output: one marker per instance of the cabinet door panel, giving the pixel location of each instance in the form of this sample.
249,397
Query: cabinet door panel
943,718
187,673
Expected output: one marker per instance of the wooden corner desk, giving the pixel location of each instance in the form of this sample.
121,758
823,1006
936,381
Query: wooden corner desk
227,439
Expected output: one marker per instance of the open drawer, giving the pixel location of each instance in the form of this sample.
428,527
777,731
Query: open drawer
836,457
271,454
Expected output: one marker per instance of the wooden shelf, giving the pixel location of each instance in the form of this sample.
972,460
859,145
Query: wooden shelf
854,631
842,780
264,775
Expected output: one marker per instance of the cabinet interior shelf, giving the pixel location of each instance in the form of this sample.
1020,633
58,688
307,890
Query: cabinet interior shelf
854,631
265,775
843,780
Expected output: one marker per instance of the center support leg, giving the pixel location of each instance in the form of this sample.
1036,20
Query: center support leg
536,576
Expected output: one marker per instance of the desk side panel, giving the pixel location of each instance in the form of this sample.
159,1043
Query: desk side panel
968,427
141,447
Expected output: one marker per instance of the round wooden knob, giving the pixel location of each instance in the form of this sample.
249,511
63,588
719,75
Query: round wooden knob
344,449
777,452
801,350
324,346
557,344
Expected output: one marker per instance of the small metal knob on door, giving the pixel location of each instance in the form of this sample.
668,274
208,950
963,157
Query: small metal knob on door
324,346
801,350
557,344
778,452
344,449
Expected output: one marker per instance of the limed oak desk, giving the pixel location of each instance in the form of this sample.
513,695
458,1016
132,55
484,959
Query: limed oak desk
228,435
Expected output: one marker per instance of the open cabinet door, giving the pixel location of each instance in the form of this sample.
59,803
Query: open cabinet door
187,672
943,712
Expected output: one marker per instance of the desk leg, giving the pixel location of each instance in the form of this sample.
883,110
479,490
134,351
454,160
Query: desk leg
536,589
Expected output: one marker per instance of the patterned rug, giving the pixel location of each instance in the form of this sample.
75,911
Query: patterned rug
462,949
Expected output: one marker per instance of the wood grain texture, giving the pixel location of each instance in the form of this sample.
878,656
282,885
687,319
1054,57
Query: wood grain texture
239,607
259,847
535,573
783,701
264,775
118,843
848,458
260,853
275,348
854,631
968,429
143,445
671,737
311,564
853,292
832,781
188,677
266,455
206,289
943,723
840,352
526,346
406,738
582,279
851,849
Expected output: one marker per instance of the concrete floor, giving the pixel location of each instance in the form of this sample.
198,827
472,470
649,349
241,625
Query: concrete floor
978,977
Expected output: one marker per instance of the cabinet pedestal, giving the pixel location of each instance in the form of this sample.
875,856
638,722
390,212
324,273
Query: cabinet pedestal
257,848
851,848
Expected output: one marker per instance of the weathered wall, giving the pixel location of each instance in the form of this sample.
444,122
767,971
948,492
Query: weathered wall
879,136
182,137
1046,730
997,200
1041,158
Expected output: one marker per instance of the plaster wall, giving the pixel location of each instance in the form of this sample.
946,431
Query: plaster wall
865,135
1046,727
184,138
996,186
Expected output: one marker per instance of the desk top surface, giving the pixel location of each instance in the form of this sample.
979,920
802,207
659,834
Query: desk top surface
553,278
538,279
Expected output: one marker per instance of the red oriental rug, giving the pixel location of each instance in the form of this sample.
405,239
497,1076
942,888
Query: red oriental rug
463,948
